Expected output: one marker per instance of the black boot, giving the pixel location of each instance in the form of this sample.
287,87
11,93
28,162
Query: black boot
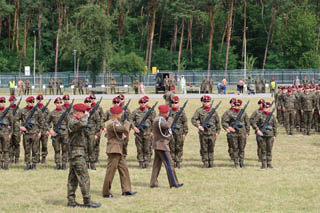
205,164
270,166
140,165
1,165
63,167
211,165
235,165
178,165
146,165
28,167
58,166
91,204
241,164
263,166
73,204
43,160
128,193
34,167
5,166
93,167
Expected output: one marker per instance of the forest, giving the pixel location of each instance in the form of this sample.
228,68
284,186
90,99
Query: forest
132,36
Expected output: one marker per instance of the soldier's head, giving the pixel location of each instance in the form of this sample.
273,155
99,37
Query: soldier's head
116,101
143,102
232,102
93,98
58,102
175,102
40,98
66,99
2,102
284,89
261,103
121,97
206,100
307,89
300,87
164,110
87,102
30,101
79,110
116,112
12,99
267,106
289,91
237,104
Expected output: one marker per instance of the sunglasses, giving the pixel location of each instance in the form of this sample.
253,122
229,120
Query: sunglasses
206,101
237,104
39,99
175,102
143,102
116,102
2,102
92,98
66,99
58,102
87,102
31,102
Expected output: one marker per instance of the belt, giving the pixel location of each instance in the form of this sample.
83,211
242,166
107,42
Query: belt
77,147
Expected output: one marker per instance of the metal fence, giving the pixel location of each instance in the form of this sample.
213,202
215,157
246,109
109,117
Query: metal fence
193,77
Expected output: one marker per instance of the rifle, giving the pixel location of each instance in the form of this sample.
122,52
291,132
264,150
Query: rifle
174,125
28,124
16,108
266,127
125,116
237,125
207,123
94,109
57,128
46,106
4,113
142,124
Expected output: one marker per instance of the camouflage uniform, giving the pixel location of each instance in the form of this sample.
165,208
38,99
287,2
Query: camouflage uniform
168,97
58,85
279,101
143,141
28,87
208,137
50,86
252,118
316,112
97,147
288,107
113,86
298,106
136,85
15,137
75,86
238,138
176,143
80,87
43,141
4,138
308,105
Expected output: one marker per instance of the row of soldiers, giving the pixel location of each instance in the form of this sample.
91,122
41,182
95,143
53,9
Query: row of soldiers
55,85
207,85
299,107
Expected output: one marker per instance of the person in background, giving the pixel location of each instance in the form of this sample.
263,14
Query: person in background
183,85
12,85
142,88
240,86
86,85
224,85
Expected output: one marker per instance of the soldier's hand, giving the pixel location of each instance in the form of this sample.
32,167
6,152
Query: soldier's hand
9,137
259,133
302,111
231,129
151,134
201,128
53,133
136,130
47,133
312,111
283,109
22,128
247,135
39,135
96,137
217,134
124,136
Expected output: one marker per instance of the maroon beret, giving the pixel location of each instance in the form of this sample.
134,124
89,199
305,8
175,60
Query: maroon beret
80,107
30,98
66,97
164,108
57,99
12,98
116,110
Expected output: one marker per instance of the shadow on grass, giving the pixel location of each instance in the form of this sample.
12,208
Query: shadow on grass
316,144
62,202
141,184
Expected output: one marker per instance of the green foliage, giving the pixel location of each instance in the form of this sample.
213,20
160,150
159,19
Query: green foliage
126,64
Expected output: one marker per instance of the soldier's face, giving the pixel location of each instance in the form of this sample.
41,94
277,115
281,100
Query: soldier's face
175,105
30,104
59,105
267,109
206,103
142,104
80,114
2,104
66,101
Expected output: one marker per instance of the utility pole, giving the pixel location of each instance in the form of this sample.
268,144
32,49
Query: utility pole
34,59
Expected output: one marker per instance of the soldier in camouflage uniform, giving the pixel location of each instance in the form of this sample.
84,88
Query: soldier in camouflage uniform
15,137
177,141
229,138
75,85
66,101
43,141
58,85
5,134
239,138
172,83
305,81
78,173
266,140
143,139
113,85
50,86
168,97
80,86
299,115
60,141
31,136
210,134
316,114
288,108
253,116
92,133
166,84
136,84
308,105
279,102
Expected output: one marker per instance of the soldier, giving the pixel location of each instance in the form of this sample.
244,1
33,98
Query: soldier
116,102
298,105
162,135
312,81
75,85
317,110
166,83
31,136
92,133
168,97
257,85
211,85
21,87
15,137
5,134
116,132
136,84
113,85
229,137
273,87
101,114
210,134
128,112
288,109
28,87
308,105
253,116
66,101
60,141
204,85
263,84
50,86
12,85
238,137
266,139
304,81
80,87
172,83
143,139
78,173
177,141
59,84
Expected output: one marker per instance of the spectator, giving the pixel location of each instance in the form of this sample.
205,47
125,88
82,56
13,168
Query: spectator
12,85
183,85
224,85
296,82
240,86
141,88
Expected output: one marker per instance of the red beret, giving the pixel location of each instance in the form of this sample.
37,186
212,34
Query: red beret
80,107
164,108
39,97
267,104
232,101
307,87
116,110
57,99
92,96
261,101
289,89
30,98
205,98
121,96
146,98
12,98
87,100
2,99
143,99
175,99
116,100
239,102
66,97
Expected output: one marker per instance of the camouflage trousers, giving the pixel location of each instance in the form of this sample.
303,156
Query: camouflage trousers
60,146
259,149
307,118
266,144
176,148
4,147
90,148
280,116
207,143
43,143
14,152
299,120
31,146
230,147
97,148
143,144
289,117
112,90
239,144
81,91
51,91
78,175
315,120
59,91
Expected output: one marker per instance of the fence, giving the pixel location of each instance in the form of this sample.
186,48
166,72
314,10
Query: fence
193,77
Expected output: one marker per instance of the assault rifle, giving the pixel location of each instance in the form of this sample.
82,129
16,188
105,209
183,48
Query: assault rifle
28,124
266,127
4,113
125,116
237,125
142,125
207,123
46,106
174,125
16,108
94,109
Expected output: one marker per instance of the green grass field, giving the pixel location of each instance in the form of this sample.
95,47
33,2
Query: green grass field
292,186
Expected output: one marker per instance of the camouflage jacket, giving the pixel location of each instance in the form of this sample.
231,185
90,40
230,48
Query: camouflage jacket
76,132
45,116
257,120
308,102
36,120
16,121
137,116
168,97
214,124
182,123
298,104
53,119
94,124
8,121
230,116
289,102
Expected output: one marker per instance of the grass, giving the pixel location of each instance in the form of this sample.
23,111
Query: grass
292,186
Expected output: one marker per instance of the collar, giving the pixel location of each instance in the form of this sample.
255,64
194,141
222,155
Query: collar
40,106
66,105
13,106
2,108
206,108
175,109
58,109
266,113
76,117
142,109
88,109
93,104
261,109
236,110
29,108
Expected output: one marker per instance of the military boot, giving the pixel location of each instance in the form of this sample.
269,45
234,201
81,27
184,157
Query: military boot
241,164
269,166
178,165
1,165
43,160
146,165
63,167
58,166
235,165
16,161
91,204
73,204
11,160
5,166
211,165
140,165
205,164
34,167
93,167
28,167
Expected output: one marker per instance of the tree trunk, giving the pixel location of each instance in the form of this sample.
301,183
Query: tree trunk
78,65
0,26
181,43
66,15
27,21
160,30
175,34
9,32
148,37
57,40
211,17
228,37
39,27
244,28
108,7
152,31
190,39
224,35
202,31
